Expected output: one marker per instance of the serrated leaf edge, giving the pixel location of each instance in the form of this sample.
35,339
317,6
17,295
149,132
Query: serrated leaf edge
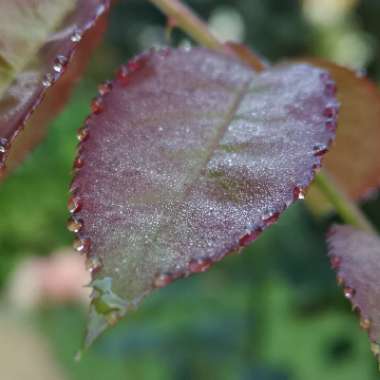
82,244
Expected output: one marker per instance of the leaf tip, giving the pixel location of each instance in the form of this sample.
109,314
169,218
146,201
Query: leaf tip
106,309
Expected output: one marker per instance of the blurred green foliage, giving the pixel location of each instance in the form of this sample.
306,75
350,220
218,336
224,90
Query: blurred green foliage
273,313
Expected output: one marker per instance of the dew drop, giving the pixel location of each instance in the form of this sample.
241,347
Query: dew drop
365,323
330,111
162,280
355,308
81,245
122,73
97,105
76,36
82,134
199,266
57,68
105,88
319,149
249,238
47,81
134,65
137,63
61,59
298,193
3,145
74,204
59,63
78,163
74,225
375,347
94,264
349,292
270,218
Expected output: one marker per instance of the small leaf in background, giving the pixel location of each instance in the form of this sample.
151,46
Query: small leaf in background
188,156
355,255
44,48
354,159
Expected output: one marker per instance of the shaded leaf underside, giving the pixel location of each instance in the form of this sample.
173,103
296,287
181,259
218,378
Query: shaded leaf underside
44,47
187,157
355,255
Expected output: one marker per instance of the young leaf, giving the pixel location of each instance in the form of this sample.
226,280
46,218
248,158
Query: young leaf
44,47
188,156
353,160
355,255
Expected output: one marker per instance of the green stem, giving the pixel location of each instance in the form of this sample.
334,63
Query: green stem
190,23
348,210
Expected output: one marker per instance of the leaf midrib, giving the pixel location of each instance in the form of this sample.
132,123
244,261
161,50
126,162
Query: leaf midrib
230,116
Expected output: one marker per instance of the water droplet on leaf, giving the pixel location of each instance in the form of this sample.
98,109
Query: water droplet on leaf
97,105
48,80
74,204
201,265
298,193
365,323
270,218
76,36
349,292
93,264
78,163
3,145
162,280
105,88
320,149
82,133
249,238
81,245
74,225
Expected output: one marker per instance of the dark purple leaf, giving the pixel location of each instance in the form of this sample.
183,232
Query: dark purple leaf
188,156
355,255
44,47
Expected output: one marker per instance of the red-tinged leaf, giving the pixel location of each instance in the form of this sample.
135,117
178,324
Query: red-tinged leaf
355,255
189,156
44,48
354,159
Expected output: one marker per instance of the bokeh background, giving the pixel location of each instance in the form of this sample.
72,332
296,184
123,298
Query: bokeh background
272,313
